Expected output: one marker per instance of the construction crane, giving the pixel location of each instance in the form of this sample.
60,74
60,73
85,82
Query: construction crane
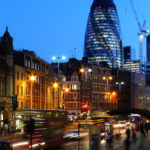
142,33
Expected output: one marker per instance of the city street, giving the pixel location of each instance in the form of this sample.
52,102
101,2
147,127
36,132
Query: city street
73,143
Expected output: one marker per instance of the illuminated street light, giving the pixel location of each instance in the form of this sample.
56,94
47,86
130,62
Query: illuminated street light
63,57
104,78
89,70
55,85
82,70
110,78
32,78
122,83
66,90
113,93
54,58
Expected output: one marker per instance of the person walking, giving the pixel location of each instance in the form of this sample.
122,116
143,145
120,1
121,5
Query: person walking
140,140
127,143
133,136
127,140
128,133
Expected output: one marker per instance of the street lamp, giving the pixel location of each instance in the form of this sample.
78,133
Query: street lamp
66,90
32,78
119,84
86,75
65,96
107,78
113,96
55,86
58,58
82,70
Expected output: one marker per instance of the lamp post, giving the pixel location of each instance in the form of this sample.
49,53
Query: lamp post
119,84
55,86
86,71
66,90
32,78
58,58
113,100
107,79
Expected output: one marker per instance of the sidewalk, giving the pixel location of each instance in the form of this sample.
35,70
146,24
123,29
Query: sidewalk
134,147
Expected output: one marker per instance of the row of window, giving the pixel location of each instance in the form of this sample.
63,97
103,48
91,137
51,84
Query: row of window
36,105
35,92
20,76
2,87
71,96
73,106
72,86
36,66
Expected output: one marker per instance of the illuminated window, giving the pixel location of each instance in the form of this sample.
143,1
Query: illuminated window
74,87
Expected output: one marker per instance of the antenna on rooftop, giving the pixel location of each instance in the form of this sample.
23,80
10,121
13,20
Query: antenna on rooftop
74,53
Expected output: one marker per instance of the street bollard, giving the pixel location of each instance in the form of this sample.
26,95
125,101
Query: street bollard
94,138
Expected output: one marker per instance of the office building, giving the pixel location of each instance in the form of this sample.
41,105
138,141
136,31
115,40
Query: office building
102,37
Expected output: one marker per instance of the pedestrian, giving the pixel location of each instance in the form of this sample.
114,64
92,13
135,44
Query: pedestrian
140,140
146,127
133,136
127,143
137,126
128,133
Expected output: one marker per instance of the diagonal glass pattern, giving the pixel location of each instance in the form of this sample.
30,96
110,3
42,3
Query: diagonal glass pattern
102,37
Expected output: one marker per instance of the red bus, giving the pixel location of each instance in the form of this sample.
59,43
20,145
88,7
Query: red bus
49,125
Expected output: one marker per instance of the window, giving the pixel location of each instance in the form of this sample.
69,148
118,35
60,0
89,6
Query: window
21,90
21,76
18,90
29,63
74,105
26,91
35,66
17,75
1,87
26,63
38,79
38,67
32,65
21,105
74,87
75,95
38,92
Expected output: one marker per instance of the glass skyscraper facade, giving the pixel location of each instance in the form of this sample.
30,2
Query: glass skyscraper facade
102,37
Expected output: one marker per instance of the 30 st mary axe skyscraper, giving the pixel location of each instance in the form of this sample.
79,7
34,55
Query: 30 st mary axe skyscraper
102,37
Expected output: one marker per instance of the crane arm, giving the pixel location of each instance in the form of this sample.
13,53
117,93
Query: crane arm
135,14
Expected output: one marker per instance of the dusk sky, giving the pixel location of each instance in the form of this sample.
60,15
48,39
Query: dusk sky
57,27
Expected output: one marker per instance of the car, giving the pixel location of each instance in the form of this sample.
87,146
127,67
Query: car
71,135
5,145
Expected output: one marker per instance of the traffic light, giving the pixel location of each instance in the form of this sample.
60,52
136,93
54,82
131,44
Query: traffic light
84,106
90,117
29,126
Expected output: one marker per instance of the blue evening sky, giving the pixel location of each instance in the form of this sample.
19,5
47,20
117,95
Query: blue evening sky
57,27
